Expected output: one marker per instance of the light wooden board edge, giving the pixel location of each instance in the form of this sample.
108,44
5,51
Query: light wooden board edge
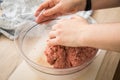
108,66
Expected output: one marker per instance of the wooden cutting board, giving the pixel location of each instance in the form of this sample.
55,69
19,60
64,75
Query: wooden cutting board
24,72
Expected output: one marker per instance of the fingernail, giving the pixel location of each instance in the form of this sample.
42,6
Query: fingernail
42,12
36,14
37,20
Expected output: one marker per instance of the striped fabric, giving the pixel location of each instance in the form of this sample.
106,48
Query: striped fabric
17,12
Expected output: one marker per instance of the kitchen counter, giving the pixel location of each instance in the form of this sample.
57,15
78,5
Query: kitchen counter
9,57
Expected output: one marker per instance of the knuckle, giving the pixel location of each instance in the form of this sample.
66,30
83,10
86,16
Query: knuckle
59,32
57,26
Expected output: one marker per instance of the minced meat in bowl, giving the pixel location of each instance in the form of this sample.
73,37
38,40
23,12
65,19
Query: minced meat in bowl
55,60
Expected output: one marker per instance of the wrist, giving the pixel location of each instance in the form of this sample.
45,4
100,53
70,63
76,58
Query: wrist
82,5
86,36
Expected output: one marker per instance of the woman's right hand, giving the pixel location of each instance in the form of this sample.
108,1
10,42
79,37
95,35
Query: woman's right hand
55,8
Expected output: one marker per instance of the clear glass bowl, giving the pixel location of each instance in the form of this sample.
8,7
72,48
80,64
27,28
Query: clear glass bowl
31,43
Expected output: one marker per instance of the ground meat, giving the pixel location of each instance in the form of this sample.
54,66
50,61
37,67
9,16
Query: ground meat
66,57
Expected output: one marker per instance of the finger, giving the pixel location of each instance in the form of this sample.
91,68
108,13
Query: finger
81,19
51,11
42,18
56,26
52,34
75,17
44,5
52,42
62,20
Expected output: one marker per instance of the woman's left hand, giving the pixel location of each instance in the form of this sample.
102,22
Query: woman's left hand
68,32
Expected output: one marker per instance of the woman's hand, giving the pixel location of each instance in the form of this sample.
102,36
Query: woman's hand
55,8
68,32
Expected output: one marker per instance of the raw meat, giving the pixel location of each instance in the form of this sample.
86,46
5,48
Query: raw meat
66,57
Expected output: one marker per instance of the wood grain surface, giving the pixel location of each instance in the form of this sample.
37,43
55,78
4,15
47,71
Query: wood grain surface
110,62
9,58
117,72
108,67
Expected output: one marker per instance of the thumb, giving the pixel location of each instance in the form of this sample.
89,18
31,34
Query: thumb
53,10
